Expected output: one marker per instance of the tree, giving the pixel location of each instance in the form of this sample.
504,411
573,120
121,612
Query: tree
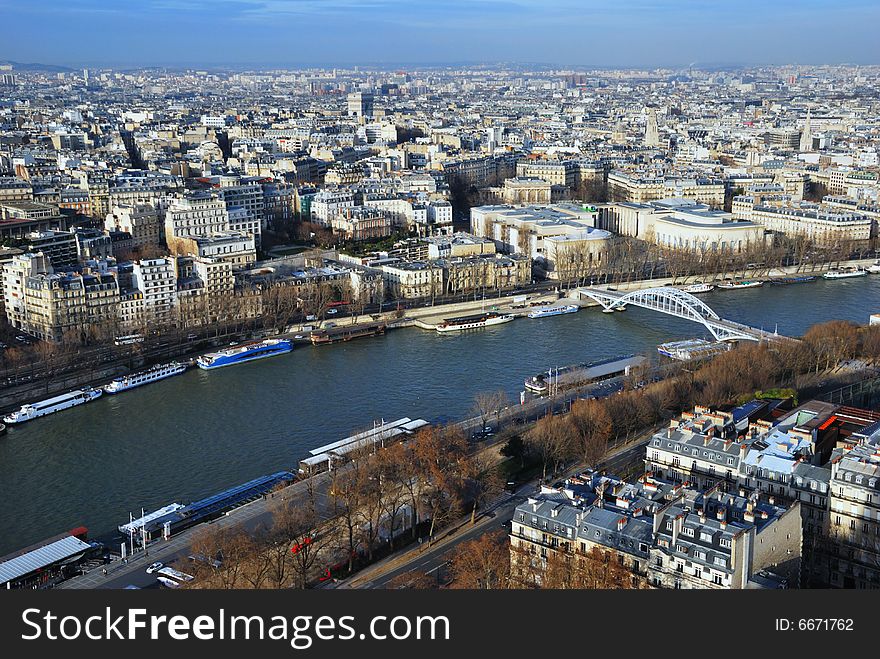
515,448
298,539
488,403
550,438
592,428
482,563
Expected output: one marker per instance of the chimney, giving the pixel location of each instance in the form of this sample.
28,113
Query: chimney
658,518
742,491
772,500
723,524
722,513
677,523
707,438
621,523
702,515
743,449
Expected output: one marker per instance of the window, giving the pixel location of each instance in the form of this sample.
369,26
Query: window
716,579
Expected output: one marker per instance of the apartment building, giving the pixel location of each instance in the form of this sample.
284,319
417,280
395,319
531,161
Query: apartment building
157,280
141,222
854,512
235,247
199,214
623,186
417,279
666,535
361,223
824,225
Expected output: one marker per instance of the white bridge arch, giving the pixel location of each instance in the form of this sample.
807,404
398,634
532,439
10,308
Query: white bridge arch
678,303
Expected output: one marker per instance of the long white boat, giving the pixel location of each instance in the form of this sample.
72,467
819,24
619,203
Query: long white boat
845,273
543,312
55,404
474,322
874,268
158,372
734,285
698,288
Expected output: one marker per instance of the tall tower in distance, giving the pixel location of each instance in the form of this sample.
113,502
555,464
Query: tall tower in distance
652,134
86,77
807,135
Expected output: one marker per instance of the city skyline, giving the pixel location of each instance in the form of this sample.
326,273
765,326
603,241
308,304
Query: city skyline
265,33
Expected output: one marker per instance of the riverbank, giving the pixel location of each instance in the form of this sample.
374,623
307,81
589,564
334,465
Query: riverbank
188,436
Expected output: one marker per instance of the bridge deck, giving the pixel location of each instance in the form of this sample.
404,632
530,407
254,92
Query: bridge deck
678,303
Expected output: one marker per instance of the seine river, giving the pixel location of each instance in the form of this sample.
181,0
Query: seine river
201,432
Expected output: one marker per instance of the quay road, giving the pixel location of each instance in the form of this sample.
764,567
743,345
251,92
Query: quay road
251,516
495,517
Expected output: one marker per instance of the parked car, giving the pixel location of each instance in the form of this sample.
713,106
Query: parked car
155,567
332,311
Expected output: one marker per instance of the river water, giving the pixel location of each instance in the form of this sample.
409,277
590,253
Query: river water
201,432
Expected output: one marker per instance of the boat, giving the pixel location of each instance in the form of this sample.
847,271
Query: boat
691,349
608,310
874,268
581,374
158,372
476,321
699,287
554,311
845,273
778,281
337,334
54,404
244,353
734,285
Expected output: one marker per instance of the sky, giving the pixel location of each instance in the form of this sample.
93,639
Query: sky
601,33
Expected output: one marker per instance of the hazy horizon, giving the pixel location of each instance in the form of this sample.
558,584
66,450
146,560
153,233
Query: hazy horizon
630,34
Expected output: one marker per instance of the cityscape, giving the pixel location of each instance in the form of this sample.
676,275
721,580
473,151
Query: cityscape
440,320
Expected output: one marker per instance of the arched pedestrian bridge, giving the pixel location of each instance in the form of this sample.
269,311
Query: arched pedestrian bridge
678,303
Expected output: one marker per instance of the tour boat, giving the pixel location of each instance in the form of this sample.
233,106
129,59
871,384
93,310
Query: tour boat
845,273
55,404
554,311
158,372
699,287
475,321
733,285
244,353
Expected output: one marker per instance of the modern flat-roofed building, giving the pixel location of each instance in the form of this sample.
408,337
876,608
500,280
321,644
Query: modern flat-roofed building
523,229
19,218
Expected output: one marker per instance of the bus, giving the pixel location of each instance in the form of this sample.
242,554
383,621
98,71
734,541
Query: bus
128,339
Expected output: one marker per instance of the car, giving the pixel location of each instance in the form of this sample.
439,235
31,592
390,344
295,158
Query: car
332,311
155,567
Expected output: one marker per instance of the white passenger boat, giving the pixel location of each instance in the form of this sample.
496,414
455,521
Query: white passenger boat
845,273
476,321
543,312
158,372
55,404
699,287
